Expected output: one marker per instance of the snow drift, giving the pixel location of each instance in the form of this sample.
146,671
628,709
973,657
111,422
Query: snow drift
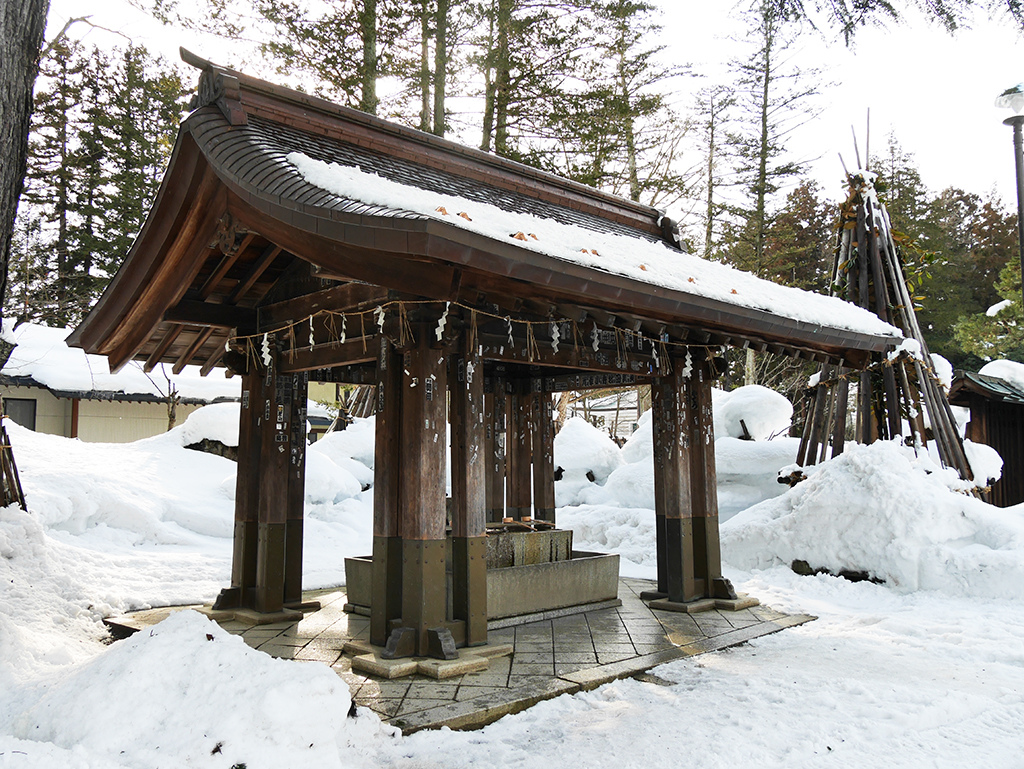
898,516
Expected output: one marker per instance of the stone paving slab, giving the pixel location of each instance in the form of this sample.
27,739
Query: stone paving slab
550,656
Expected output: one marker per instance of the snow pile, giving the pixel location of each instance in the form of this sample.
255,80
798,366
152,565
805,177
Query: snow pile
50,600
880,509
581,448
42,355
747,470
765,412
216,422
653,263
1007,370
187,693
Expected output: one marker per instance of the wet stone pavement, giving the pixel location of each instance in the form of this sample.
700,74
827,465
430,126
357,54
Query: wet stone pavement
550,657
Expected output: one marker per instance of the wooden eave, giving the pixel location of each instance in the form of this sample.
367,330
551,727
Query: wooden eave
177,293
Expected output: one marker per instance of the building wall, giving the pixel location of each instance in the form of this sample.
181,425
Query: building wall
98,421
53,415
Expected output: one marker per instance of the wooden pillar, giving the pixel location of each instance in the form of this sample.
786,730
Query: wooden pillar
519,451
275,441
707,551
74,418
689,556
664,409
495,408
421,494
296,490
469,498
672,493
386,597
246,531
543,429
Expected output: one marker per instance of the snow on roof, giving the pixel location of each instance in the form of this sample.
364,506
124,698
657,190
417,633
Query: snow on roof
1007,370
42,356
654,263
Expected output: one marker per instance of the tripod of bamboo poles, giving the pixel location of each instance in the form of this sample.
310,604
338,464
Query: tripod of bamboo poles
10,482
896,390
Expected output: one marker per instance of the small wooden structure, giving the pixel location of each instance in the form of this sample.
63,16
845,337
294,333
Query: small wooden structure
246,263
898,390
997,420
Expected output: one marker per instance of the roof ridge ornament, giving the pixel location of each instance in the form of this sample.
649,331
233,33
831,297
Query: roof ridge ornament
217,87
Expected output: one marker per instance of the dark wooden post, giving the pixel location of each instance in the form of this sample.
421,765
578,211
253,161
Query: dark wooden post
275,440
707,551
543,428
689,562
246,533
296,491
386,596
421,494
519,451
469,503
664,424
672,487
495,410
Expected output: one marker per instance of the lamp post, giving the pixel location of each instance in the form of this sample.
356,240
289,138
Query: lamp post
1013,98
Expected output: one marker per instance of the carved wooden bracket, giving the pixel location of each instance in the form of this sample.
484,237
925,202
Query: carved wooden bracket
230,235
220,89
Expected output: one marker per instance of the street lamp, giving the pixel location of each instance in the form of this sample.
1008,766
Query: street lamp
1013,98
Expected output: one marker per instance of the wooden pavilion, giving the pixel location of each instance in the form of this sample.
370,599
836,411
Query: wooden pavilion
460,314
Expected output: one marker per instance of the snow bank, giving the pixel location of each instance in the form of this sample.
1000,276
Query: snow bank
747,470
764,412
581,448
188,693
880,509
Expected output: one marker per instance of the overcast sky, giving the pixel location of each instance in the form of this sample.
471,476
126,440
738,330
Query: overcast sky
935,91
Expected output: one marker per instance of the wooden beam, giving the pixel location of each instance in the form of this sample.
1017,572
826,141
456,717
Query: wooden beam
226,263
193,348
212,361
349,297
161,349
348,353
193,313
253,274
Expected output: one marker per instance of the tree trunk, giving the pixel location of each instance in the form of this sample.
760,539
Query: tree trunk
488,118
425,65
368,27
440,65
22,23
502,77
627,130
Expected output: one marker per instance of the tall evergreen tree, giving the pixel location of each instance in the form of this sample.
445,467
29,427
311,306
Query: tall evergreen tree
102,133
775,99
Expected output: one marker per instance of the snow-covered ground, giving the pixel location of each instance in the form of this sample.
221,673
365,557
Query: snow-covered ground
926,669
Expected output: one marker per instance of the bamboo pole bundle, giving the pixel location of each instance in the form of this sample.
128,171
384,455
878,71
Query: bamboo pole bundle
898,390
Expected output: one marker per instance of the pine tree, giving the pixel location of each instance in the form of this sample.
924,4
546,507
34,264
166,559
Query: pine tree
775,99
102,134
